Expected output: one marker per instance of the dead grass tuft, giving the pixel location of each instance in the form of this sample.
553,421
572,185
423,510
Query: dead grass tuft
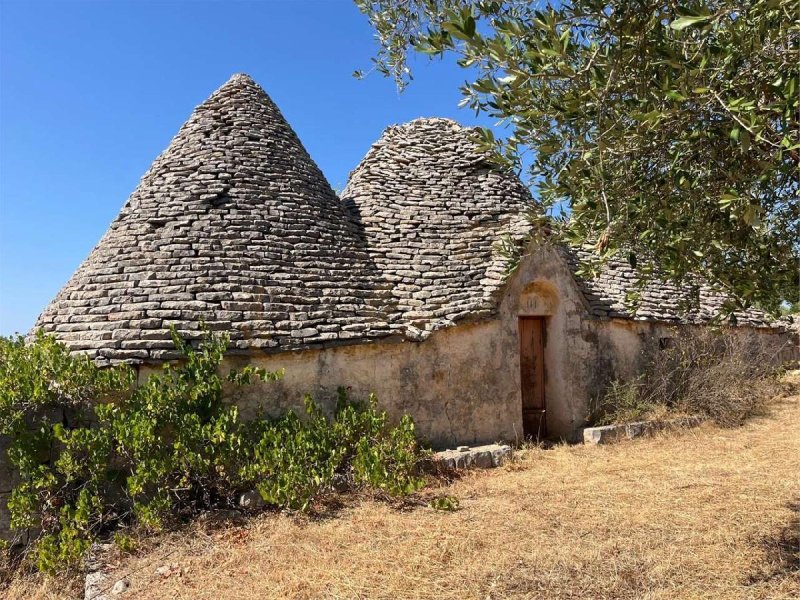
718,374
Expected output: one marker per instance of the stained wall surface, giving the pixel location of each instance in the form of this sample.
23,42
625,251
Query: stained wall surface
462,385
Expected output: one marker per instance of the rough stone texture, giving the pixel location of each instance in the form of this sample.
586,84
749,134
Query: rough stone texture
94,586
97,582
480,457
432,209
8,479
236,226
612,433
659,301
6,533
120,587
251,500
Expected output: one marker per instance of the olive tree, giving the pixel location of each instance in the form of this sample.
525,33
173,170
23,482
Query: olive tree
664,132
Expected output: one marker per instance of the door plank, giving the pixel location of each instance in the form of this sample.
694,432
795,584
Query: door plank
532,375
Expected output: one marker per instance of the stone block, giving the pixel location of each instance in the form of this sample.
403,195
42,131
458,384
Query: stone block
608,434
479,457
251,500
482,459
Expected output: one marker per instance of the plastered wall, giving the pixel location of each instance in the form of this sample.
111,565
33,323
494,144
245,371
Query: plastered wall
462,385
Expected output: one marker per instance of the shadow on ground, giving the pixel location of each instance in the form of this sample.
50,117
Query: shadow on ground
782,551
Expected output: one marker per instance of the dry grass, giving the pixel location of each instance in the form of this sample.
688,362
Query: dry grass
721,375
704,513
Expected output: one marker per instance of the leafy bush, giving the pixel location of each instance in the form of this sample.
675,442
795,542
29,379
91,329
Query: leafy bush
721,375
445,503
93,451
297,459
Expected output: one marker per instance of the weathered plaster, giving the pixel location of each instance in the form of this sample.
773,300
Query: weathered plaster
455,385
462,385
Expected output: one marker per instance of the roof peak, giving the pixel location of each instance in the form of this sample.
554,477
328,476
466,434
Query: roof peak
422,122
237,83
240,78
433,121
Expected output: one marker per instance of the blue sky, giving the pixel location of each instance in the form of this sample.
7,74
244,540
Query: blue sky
92,91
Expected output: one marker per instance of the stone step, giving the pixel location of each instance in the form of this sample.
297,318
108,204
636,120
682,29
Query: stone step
477,457
612,433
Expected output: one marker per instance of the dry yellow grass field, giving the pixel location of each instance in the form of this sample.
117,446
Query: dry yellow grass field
702,513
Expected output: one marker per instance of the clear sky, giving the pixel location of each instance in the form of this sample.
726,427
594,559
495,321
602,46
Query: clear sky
92,91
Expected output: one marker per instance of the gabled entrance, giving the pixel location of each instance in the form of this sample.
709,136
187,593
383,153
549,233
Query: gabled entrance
532,376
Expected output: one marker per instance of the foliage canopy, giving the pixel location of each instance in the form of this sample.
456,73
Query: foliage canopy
668,130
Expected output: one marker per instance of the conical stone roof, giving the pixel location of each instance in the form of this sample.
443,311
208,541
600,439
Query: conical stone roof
433,210
235,226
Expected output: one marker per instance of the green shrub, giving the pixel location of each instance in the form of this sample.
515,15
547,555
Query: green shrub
388,462
126,544
295,460
445,503
161,451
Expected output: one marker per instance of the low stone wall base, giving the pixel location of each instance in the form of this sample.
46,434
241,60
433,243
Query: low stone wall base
613,433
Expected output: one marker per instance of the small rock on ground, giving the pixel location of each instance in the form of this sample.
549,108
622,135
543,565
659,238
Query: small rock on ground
251,500
120,586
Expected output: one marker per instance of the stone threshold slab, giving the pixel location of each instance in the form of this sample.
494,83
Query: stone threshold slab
625,431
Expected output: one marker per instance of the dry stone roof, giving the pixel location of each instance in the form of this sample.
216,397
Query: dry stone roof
235,226
607,297
432,209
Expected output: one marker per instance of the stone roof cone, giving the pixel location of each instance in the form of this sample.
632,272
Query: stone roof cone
233,225
433,209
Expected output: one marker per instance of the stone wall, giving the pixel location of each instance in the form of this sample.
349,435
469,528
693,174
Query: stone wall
462,385
8,480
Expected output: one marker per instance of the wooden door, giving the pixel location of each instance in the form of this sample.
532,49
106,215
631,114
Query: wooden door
531,360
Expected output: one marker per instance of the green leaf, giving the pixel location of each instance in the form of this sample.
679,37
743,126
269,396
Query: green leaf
469,26
675,95
751,215
688,21
744,140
